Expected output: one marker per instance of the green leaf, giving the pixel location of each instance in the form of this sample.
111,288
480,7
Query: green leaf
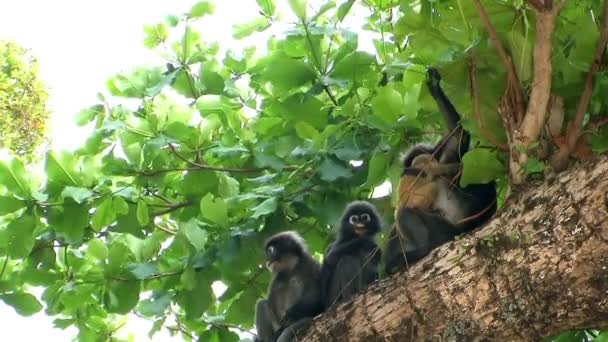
211,82
155,306
104,215
388,105
97,249
214,209
120,206
377,170
201,9
194,234
143,271
534,166
121,296
344,9
70,222
269,206
20,236
89,114
12,177
267,6
24,303
196,301
285,73
331,170
10,204
143,216
299,8
481,166
306,130
79,195
242,30
60,169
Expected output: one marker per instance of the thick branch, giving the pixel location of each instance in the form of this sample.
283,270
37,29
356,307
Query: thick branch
536,114
560,160
537,269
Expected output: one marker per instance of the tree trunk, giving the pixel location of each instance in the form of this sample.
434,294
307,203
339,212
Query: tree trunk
538,268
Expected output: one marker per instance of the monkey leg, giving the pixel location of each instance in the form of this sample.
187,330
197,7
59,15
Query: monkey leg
289,334
414,235
264,321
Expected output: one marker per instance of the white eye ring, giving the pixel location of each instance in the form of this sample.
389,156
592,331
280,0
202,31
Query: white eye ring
271,250
353,219
365,218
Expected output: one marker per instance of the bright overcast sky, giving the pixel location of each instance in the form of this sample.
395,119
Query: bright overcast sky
80,44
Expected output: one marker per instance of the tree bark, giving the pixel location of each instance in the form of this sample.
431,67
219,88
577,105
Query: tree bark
538,268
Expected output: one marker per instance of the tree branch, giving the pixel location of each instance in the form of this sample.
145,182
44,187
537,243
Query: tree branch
536,115
537,269
513,79
560,159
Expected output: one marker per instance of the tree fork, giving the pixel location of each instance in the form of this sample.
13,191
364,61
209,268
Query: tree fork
538,268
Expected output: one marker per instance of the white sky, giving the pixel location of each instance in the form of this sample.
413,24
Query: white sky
79,45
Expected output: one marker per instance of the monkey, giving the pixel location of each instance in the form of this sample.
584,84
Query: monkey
294,293
351,262
432,207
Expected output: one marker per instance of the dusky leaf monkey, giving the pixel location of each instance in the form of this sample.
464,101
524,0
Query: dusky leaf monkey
432,206
351,262
294,294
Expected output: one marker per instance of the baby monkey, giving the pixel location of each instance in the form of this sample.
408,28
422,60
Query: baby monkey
351,262
294,294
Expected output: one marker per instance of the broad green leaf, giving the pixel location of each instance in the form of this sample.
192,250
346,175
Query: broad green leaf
24,304
211,82
70,222
89,114
267,207
242,30
267,6
20,236
97,249
331,170
285,73
143,271
10,204
155,35
12,177
306,130
60,169
121,296
121,207
228,186
196,301
104,215
200,9
143,216
534,166
388,105
214,209
481,166
299,8
377,169
79,195
194,234
155,306
344,9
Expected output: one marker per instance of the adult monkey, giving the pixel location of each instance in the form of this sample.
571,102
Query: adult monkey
432,206
294,294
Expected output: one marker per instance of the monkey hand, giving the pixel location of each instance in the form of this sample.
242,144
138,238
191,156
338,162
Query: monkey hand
433,77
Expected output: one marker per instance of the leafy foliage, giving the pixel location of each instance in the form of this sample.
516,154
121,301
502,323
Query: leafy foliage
23,114
173,196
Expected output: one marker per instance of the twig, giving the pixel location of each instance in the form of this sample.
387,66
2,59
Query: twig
506,60
166,230
475,94
172,208
559,161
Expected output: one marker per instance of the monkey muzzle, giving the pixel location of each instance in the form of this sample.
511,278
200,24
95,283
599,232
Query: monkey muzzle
360,229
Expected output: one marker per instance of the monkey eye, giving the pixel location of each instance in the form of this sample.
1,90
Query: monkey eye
353,219
365,218
271,251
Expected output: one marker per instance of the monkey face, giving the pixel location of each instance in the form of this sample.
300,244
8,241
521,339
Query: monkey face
283,251
361,218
